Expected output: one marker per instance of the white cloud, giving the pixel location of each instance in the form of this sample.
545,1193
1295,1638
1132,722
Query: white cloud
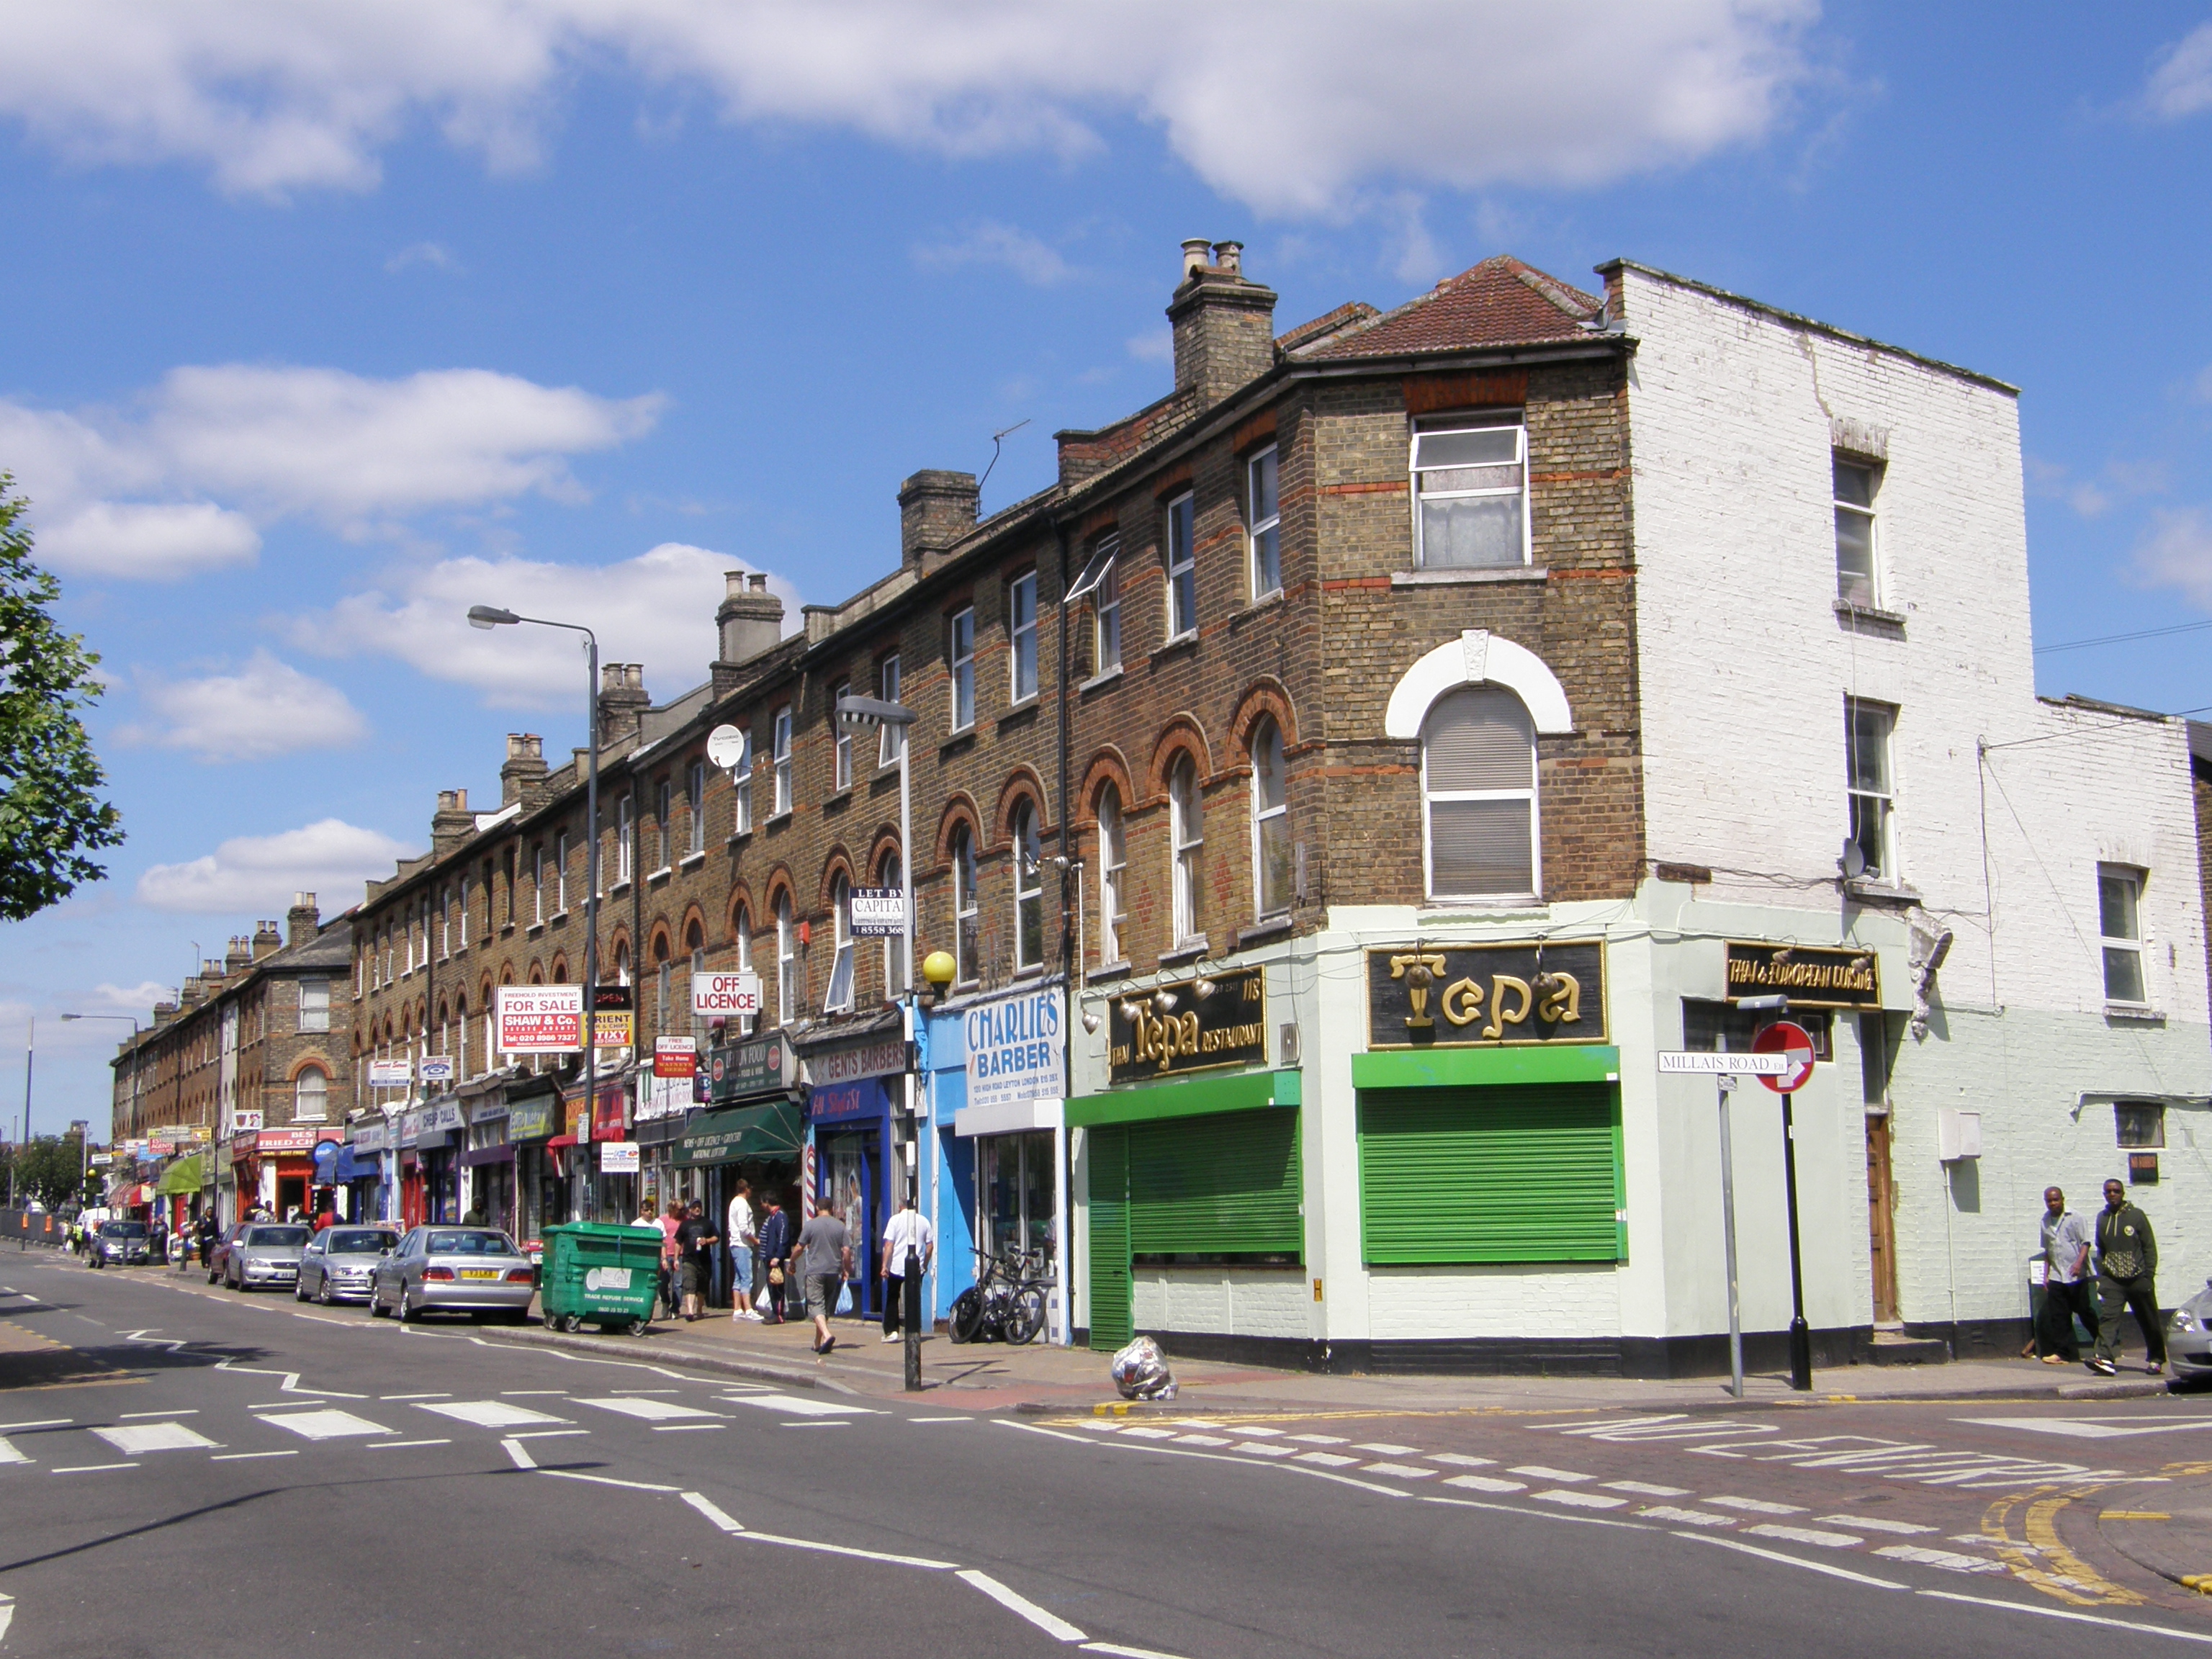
1295,117
2178,553
2181,85
1036,262
180,480
267,708
657,609
257,875
423,253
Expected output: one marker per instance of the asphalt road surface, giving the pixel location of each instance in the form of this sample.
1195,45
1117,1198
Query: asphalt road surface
184,1471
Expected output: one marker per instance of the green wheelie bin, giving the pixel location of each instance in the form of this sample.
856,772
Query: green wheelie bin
600,1273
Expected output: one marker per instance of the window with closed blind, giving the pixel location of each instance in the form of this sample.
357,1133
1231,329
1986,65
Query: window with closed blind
1478,787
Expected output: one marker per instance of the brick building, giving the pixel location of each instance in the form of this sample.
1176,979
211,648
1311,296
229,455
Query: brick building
1359,759
266,1030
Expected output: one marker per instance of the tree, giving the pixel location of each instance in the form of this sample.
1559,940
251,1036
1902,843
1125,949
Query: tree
50,813
46,1168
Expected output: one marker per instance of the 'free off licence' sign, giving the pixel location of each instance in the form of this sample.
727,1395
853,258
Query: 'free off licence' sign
1014,1049
540,1019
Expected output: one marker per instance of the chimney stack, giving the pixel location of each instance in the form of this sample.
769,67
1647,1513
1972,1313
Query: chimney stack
523,777
936,509
748,623
1224,324
452,823
267,941
238,957
303,921
622,700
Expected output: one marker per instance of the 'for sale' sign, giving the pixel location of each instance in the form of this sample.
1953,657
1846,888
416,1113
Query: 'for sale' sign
726,996
540,1019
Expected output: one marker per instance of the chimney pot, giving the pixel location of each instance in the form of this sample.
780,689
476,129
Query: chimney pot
936,509
760,581
523,777
1225,323
1194,252
748,623
302,921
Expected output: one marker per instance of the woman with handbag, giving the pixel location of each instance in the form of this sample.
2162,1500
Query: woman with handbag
776,1257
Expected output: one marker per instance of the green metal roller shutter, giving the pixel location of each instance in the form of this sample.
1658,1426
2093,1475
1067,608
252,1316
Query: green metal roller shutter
1221,1185
1491,1174
1110,1236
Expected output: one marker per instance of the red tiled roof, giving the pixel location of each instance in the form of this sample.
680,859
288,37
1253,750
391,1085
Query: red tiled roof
1500,301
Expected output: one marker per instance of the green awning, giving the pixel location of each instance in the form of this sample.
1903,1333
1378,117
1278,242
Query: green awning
182,1176
772,1131
1198,1096
1459,1068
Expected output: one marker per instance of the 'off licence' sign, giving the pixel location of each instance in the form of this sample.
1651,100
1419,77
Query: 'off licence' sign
726,996
540,1019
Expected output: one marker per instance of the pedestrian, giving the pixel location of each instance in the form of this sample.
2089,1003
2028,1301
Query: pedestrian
909,1244
696,1239
669,1254
206,1232
2127,1269
826,1258
774,1253
2066,1242
742,1238
157,1241
471,1216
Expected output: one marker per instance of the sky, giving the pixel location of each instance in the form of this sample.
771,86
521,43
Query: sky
324,321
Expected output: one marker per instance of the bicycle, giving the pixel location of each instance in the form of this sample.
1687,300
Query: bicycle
1005,1301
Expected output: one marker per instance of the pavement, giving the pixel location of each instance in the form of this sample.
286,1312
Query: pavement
282,1474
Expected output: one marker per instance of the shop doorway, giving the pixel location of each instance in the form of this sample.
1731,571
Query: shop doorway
850,1179
1019,1218
1881,1219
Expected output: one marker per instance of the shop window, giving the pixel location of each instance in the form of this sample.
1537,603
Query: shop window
1266,536
1113,856
1017,1179
2119,923
1471,491
1187,835
1271,822
965,941
1478,779
1028,888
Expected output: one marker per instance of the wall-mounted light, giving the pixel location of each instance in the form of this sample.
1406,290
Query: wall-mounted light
1783,958
1165,1000
1091,1022
1204,989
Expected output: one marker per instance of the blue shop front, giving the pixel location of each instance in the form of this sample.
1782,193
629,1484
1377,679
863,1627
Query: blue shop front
855,1076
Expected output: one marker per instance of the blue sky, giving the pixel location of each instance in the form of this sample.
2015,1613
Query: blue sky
323,322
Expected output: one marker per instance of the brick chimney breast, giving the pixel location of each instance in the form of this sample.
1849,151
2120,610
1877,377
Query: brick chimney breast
1225,323
622,700
238,957
749,622
936,509
452,823
303,921
267,940
522,777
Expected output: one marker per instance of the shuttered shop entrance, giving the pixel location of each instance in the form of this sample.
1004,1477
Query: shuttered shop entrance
1498,1173
1217,1189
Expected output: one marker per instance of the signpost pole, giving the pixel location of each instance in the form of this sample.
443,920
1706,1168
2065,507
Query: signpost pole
1727,1244
1801,1334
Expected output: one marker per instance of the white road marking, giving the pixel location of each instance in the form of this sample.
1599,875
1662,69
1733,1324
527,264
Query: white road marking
91,1468
136,1439
1539,1472
401,1445
834,1422
1261,1449
1402,1471
1791,1560
283,1405
515,1450
2092,1428
510,1394
940,1420
652,1411
606,1480
1050,1623
548,1434
1645,1489
1462,1460
1581,1500
1826,1541
327,1425
1320,1439
1327,1460
9,1454
1214,1440
491,1413
415,1396
42,1422
1685,1517
1483,1483
864,1555
1946,1559
1169,1434
712,1511
1904,1528
1256,1432
188,1411
785,1402
1384,1449
1097,1427
2075,1618
238,1457
1754,1506
689,1428
1128,1653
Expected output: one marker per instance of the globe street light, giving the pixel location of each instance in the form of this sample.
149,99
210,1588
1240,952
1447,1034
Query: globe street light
489,616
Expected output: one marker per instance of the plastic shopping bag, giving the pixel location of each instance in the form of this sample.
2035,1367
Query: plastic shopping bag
1140,1371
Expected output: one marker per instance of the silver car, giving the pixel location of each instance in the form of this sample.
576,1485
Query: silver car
266,1257
339,1261
2189,1336
472,1270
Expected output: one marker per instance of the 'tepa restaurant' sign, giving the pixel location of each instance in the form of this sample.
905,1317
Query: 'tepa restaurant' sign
1426,995
1227,1026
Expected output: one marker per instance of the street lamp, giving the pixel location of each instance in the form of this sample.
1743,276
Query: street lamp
865,714
488,617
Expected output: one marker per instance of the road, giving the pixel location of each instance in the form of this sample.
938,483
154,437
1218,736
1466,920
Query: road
206,1472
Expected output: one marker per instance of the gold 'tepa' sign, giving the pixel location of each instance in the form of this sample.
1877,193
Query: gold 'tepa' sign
1428,995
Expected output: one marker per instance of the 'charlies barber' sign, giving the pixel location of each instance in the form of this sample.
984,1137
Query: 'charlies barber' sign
1430,995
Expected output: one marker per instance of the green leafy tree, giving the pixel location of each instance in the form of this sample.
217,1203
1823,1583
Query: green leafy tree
50,815
46,1168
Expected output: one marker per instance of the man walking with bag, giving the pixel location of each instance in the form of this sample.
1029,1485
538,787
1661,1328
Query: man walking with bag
2066,1242
908,1245
2127,1268
826,1257
743,1239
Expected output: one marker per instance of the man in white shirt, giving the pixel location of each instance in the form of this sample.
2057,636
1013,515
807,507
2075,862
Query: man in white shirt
744,1236
909,1244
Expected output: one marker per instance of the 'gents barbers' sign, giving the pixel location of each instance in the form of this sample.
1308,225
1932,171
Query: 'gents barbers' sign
1217,1019
1426,995
1809,976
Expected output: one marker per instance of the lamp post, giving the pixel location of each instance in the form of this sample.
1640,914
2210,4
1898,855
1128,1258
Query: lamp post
489,617
866,714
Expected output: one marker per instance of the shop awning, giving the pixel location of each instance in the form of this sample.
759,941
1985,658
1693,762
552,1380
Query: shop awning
744,1132
182,1176
1199,1096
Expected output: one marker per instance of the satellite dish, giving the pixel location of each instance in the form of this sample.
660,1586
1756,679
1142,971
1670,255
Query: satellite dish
726,746
1854,860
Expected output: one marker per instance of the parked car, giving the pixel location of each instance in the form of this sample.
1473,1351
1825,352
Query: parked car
339,1261
219,1257
2189,1336
473,1270
122,1243
265,1256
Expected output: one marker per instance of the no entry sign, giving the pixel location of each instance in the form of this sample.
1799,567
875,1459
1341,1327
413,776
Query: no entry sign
1791,1040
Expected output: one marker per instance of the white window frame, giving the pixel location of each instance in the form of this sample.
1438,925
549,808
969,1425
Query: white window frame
464,890
1432,425
664,843
890,737
966,930
841,754
746,1022
1183,567
741,807
696,801
625,837
2112,945
1112,864
1886,871
1264,541
444,923
1871,599
841,936
663,977
321,1114
1106,612
314,1004
1022,637
779,754
560,874
960,658
537,884
1264,817
888,874
787,962
1187,846
1029,885
1532,794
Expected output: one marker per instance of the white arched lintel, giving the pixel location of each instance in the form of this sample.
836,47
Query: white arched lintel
1478,656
